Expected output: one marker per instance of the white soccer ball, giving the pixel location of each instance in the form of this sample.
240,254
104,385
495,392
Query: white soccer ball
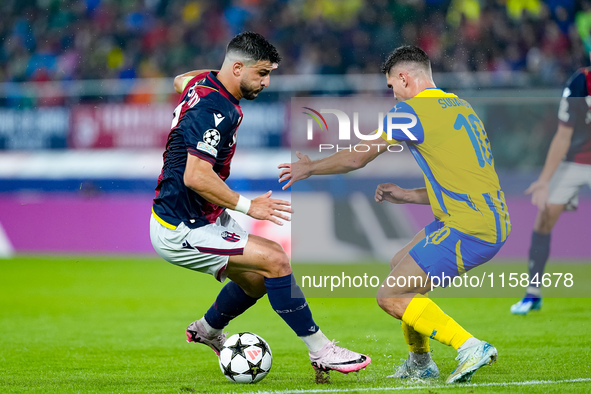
245,358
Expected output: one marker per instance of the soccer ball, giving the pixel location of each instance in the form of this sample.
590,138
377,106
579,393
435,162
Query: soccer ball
245,358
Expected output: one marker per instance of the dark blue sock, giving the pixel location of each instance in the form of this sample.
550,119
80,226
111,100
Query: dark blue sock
231,302
288,301
539,251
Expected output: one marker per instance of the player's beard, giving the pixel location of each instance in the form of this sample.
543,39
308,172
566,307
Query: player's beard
248,92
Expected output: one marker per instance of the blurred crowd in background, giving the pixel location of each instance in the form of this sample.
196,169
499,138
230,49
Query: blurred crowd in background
110,48
43,40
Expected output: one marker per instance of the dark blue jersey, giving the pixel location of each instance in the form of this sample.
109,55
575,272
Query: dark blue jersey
575,112
204,125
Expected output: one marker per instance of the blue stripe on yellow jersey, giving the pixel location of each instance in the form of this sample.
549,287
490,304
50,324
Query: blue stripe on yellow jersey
450,145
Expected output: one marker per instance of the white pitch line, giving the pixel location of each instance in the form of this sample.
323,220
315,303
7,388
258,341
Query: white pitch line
440,386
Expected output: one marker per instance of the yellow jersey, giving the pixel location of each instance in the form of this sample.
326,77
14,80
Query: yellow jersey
449,142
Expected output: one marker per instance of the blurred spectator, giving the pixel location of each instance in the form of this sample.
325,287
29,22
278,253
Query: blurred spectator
91,39
583,23
517,9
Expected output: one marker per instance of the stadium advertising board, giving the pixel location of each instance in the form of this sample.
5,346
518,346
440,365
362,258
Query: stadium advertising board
147,126
28,129
120,126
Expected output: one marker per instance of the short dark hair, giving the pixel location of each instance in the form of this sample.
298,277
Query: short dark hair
406,53
254,46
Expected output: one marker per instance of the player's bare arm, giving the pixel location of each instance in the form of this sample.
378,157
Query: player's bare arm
339,163
180,79
395,194
200,177
558,148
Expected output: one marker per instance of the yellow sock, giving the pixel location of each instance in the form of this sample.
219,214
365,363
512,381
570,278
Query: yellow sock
417,342
426,318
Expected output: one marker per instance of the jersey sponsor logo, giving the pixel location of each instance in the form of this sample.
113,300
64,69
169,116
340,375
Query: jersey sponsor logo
217,118
211,137
202,146
230,237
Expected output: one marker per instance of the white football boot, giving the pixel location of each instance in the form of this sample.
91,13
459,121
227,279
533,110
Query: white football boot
336,358
197,333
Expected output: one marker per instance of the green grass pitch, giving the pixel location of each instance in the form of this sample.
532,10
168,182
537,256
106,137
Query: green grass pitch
81,324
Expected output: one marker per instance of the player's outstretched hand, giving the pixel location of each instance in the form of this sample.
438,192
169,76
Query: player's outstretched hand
266,208
296,171
539,194
391,193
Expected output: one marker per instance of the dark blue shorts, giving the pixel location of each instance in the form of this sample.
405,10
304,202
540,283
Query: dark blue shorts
450,252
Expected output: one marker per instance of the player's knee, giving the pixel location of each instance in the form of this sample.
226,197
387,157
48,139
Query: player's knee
391,306
278,261
383,298
381,301
545,221
543,226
